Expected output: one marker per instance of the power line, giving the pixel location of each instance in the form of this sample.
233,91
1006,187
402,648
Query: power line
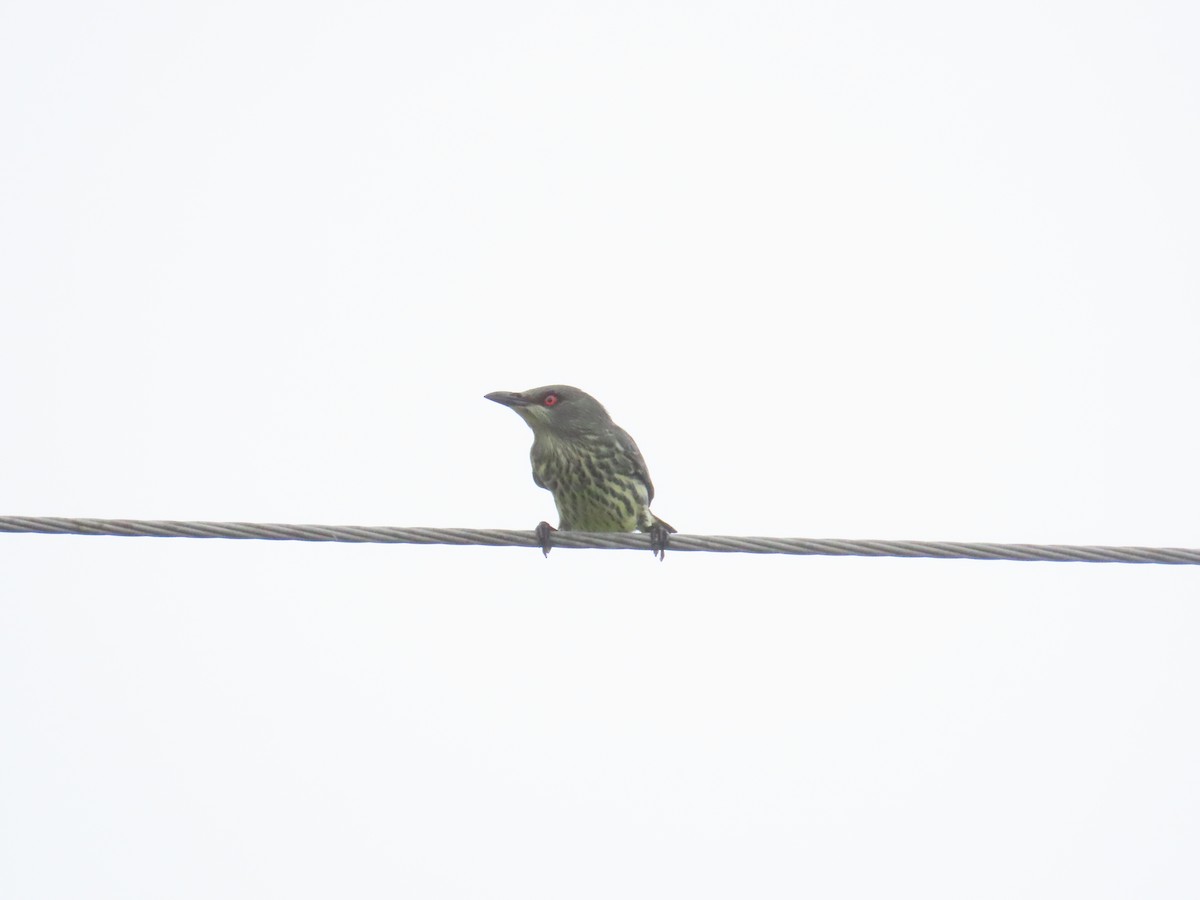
490,537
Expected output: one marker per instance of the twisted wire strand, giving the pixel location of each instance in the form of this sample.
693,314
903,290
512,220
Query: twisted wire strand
492,537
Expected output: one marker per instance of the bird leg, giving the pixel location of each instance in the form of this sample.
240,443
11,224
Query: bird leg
659,538
542,533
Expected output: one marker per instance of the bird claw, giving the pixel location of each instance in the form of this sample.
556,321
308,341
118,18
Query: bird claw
542,533
659,538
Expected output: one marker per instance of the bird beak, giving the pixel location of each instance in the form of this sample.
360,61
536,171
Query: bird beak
507,398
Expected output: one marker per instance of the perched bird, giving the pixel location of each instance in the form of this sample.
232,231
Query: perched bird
591,466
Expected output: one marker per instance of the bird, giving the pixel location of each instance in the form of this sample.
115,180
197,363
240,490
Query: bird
590,464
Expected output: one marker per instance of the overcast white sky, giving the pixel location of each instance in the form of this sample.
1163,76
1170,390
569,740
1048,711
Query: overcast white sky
864,269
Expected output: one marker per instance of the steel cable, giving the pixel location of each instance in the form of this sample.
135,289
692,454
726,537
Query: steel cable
491,537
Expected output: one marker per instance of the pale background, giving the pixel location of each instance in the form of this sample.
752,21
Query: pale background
920,270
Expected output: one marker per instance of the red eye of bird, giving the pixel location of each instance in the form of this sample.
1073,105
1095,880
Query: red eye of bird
550,399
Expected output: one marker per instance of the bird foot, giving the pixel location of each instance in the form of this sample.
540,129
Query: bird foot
542,533
660,536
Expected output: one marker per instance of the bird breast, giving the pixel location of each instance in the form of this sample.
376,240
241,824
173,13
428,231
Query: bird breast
594,484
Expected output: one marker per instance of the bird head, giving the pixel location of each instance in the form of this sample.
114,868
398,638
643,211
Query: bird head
556,410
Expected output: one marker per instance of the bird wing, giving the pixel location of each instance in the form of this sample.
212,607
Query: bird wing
630,451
